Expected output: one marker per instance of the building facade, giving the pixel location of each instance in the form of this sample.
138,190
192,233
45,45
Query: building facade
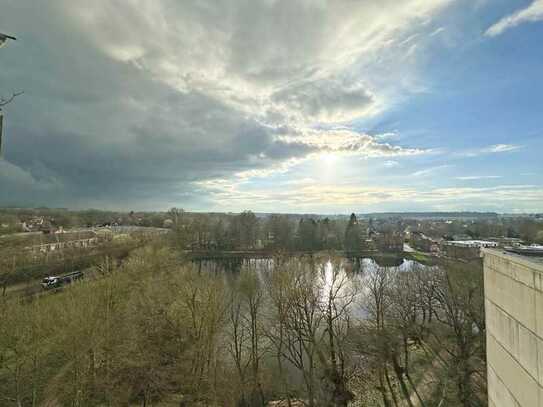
390,242
514,329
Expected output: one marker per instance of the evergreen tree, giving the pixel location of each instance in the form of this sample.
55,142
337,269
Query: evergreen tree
353,241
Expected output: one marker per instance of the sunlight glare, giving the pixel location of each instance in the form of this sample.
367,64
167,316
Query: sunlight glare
328,158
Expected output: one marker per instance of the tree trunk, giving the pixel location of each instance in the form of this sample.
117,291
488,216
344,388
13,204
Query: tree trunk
392,392
399,375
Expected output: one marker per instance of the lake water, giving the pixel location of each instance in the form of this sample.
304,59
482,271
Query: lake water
352,275
359,265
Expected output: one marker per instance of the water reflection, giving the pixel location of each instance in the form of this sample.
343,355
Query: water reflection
348,265
344,281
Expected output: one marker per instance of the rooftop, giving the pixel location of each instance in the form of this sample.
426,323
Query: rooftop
472,243
529,261
534,250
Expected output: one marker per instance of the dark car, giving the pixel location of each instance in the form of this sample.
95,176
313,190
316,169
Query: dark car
59,281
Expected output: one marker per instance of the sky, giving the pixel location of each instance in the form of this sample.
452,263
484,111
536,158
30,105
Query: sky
301,106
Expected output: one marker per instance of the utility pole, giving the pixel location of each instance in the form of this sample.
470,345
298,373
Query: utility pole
3,39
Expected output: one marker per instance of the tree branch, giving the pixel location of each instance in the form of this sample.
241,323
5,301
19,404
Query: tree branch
4,102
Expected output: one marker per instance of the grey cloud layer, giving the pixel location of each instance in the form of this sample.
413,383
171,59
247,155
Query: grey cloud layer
132,102
326,101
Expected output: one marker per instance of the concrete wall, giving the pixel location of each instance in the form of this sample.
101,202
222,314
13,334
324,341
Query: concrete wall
514,324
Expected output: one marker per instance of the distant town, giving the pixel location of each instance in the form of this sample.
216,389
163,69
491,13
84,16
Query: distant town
439,234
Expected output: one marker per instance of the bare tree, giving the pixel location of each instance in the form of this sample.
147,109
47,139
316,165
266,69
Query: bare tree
246,339
461,316
338,296
277,288
374,343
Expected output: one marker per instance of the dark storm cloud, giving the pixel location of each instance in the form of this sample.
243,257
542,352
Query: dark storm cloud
132,103
327,101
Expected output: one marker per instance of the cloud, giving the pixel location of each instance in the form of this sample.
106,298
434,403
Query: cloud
437,31
532,13
23,185
347,142
301,181
478,177
501,148
492,149
144,100
391,164
300,146
326,101
387,136
429,171
328,198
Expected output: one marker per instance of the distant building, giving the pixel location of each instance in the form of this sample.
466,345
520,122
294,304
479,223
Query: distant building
465,249
390,242
54,242
422,242
507,241
462,237
514,328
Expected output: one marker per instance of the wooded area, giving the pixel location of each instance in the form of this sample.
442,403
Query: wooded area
156,331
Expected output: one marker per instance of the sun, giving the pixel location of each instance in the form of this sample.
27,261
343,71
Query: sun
328,158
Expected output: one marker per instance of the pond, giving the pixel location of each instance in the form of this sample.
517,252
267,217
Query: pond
352,276
357,265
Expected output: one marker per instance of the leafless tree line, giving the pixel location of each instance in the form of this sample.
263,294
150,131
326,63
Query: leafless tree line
300,331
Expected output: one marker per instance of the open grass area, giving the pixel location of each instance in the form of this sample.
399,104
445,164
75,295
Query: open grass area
421,257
